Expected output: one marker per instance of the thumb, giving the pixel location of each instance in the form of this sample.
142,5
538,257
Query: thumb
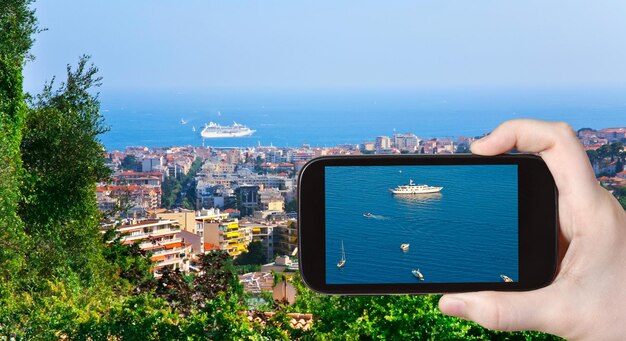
508,311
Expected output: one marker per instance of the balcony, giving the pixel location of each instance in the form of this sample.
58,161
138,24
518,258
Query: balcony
159,243
169,262
234,234
168,252
164,232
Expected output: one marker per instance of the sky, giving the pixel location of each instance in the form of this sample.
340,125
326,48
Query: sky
322,44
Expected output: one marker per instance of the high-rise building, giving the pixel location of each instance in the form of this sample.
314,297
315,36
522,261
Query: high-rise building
382,142
407,142
152,164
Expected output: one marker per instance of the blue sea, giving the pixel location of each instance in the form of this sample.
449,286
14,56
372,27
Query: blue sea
325,118
468,232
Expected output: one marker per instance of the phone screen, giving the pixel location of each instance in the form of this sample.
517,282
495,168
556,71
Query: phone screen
421,224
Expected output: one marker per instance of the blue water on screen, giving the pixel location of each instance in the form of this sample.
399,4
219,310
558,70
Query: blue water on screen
466,233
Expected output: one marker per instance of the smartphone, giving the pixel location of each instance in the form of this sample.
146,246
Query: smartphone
397,224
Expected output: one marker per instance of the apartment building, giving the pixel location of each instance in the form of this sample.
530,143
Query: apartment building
286,238
270,199
160,238
228,236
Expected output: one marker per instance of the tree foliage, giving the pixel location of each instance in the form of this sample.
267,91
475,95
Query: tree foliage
217,276
256,255
63,159
17,24
130,163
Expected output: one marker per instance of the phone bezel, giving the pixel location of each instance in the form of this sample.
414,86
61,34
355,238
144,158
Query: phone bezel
537,229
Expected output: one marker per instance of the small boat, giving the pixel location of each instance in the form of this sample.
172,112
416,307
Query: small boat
182,121
404,247
418,274
342,262
193,128
506,278
368,215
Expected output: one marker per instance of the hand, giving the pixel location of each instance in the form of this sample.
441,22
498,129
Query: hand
587,300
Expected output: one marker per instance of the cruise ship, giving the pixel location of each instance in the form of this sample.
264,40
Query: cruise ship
214,130
412,188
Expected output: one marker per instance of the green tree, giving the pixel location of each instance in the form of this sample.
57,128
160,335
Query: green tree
291,206
17,26
389,317
130,163
217,276
64,159
131,264
175,290
256,254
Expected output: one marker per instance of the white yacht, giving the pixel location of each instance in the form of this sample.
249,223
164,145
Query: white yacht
214,130
412,188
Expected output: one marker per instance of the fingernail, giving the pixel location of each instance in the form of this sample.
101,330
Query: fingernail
452,306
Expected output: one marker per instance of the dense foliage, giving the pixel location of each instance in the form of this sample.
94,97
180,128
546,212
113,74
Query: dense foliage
255,255
63,160
17,25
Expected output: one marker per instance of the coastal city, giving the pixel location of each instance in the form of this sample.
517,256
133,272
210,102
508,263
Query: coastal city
180,202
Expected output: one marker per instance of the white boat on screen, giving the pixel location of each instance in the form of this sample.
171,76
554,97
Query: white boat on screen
418,274
342,262
412,188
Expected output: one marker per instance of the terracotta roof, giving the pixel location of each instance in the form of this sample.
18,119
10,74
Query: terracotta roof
231,210
298,320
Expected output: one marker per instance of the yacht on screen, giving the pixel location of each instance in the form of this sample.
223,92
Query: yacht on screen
412,188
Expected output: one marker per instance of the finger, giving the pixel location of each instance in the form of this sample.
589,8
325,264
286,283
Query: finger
554,141
507,311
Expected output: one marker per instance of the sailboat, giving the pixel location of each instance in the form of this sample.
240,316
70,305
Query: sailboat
342,262
193,128
182,121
